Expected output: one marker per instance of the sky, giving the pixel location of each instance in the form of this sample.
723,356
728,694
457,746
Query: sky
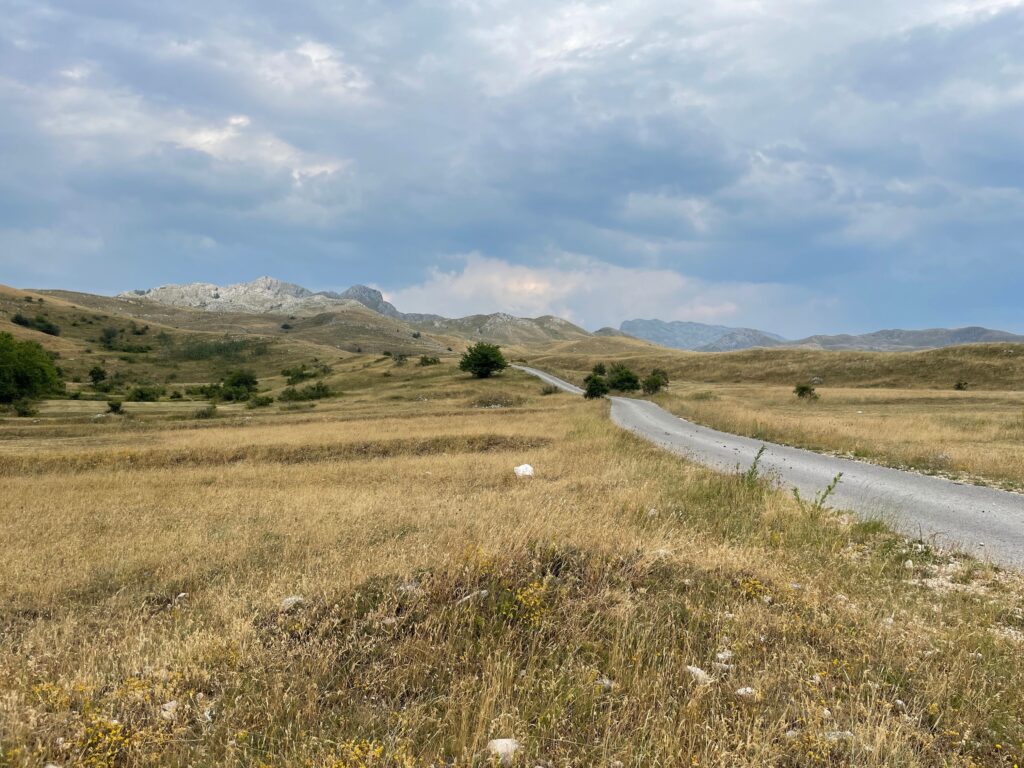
801,166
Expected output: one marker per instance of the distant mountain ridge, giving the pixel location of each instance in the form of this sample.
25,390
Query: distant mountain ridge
717,338
681,334
266,295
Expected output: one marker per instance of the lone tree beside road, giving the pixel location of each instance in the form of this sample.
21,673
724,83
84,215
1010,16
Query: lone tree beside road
483,360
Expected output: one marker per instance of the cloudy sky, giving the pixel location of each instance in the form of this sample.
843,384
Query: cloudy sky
796,165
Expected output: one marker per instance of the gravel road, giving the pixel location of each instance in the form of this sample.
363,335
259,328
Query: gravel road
986,522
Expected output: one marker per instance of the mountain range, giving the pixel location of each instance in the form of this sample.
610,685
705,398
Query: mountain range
719,338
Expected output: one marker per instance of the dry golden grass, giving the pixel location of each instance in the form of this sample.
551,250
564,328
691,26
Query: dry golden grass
446,603
974,436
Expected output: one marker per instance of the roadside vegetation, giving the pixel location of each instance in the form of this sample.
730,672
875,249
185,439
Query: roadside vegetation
375,587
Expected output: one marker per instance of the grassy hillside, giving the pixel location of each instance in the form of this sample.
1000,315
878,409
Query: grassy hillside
444,603
983,366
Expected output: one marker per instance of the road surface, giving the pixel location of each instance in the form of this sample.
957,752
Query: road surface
986,522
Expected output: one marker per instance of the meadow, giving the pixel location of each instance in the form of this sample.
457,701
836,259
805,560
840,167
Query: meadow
365,582
900,409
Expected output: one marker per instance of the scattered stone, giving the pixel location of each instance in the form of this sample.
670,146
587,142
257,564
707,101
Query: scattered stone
652,512
909,565
837,736
291,603
747,693
504,749
792,733
826,713
606,684
900,705
720,667
523,470
699,675
470,596
169,711
724,655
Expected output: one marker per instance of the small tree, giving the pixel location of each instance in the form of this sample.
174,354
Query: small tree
599,370
653,383
622,378
483,360
26,371
595,386
805,392
98,374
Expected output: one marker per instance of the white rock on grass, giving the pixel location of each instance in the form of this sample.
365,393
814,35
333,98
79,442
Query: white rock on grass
837,736
699,675
169,710
605,683
470,596
747,693
719,666
504,749
291,603
724,655
523,470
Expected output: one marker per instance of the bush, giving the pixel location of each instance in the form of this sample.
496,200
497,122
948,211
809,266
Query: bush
26,371
145,394
286,326
238,385
805,392
483,360
108,338
622,378
426,360
24,408
38,323
599,370
416,334
549,389
97,374
206,412
316,391
595,386
401,359
961,386
176,395
654,382
498,400
259,401
298,374
115,406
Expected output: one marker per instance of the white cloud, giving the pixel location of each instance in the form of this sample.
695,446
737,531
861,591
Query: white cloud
593,293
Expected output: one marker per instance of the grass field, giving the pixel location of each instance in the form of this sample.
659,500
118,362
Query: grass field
972,436
898,409
445,602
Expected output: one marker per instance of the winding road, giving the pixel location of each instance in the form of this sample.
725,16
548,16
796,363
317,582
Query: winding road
986,522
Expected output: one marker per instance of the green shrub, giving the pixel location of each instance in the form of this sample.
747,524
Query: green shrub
805,392
426,360
115,406
416,334
176,395
298,374
259,401
961,386
97,374
206,412
595,386
654,382
549,389
316,391
24,408
144,394
599,370
26,370
401,359
483,360
622,379
38,323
